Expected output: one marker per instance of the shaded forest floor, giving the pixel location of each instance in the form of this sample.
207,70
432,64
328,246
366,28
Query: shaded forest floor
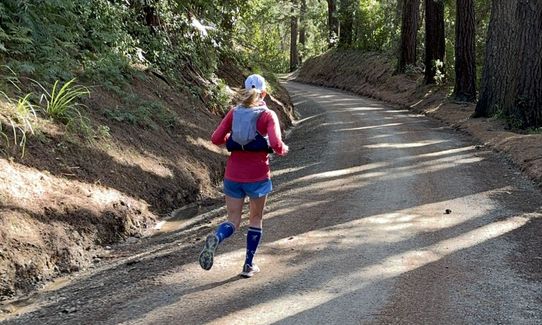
372,75
71,195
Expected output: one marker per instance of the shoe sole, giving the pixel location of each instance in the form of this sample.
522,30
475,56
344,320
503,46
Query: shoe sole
207,254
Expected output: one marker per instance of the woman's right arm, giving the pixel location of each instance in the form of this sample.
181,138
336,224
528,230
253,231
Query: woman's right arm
220,135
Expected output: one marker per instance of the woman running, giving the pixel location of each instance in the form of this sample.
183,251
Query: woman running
247,170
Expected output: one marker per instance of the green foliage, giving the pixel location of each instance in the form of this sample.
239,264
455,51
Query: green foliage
61,102
377,26
220,96
143,113
20,116
534,130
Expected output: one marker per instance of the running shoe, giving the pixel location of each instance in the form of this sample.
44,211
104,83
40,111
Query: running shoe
250,270
208,252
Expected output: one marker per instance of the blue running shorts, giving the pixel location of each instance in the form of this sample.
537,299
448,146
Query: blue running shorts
253,190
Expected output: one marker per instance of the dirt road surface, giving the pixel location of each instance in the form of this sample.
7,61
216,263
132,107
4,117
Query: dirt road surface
379,217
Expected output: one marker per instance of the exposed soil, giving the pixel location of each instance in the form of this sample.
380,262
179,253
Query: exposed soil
372,75
71,195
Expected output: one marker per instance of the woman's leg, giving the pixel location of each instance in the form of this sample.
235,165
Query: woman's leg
254,234
256,212
234,207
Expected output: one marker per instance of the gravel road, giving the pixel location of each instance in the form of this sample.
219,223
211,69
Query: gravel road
379,217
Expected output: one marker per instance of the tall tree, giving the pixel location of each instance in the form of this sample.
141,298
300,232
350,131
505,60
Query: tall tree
497,89
528,101
409,31
465,60
435,46
294,56
332,22
302,29
346,22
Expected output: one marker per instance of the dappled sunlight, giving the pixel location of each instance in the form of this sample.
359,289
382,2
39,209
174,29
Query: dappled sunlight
440,153
308,118
351,177
368,127
283,171
335,123
18,227
363,108
355,242
32,190
346,171
293,207
391,227
387,135
397,264
147,161
434,109
385,145
206,144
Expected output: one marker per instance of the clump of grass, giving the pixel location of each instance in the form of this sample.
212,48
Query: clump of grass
21,116
61,102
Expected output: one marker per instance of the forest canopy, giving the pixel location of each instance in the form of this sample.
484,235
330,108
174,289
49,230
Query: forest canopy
446,39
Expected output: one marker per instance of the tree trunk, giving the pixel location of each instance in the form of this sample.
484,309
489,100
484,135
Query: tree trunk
465,59
498,85
528,101
346,14
409,31
332,22
435,47
302,30
151,16
294,58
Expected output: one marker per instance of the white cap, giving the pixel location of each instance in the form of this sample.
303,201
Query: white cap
255,81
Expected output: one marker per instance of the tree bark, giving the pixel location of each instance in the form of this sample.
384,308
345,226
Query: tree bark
409,31
294,56
332,22
346,14
527,107
435,47
151,16
302,29
465,55
498,85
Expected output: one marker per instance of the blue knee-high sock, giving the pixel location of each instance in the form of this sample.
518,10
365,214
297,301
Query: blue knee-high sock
253,239
225,230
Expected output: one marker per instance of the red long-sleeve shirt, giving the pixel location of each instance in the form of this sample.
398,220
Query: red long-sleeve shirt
251,166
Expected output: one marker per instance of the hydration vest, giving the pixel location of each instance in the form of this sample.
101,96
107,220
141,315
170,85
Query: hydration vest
244,134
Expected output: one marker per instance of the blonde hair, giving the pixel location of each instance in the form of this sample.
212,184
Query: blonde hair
250,97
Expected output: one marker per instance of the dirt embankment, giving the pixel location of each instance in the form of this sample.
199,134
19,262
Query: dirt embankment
372,75
71,196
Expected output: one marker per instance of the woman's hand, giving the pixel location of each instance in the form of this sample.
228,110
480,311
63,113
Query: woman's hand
285,150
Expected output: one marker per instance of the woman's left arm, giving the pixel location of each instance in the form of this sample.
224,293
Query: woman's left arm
275,138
